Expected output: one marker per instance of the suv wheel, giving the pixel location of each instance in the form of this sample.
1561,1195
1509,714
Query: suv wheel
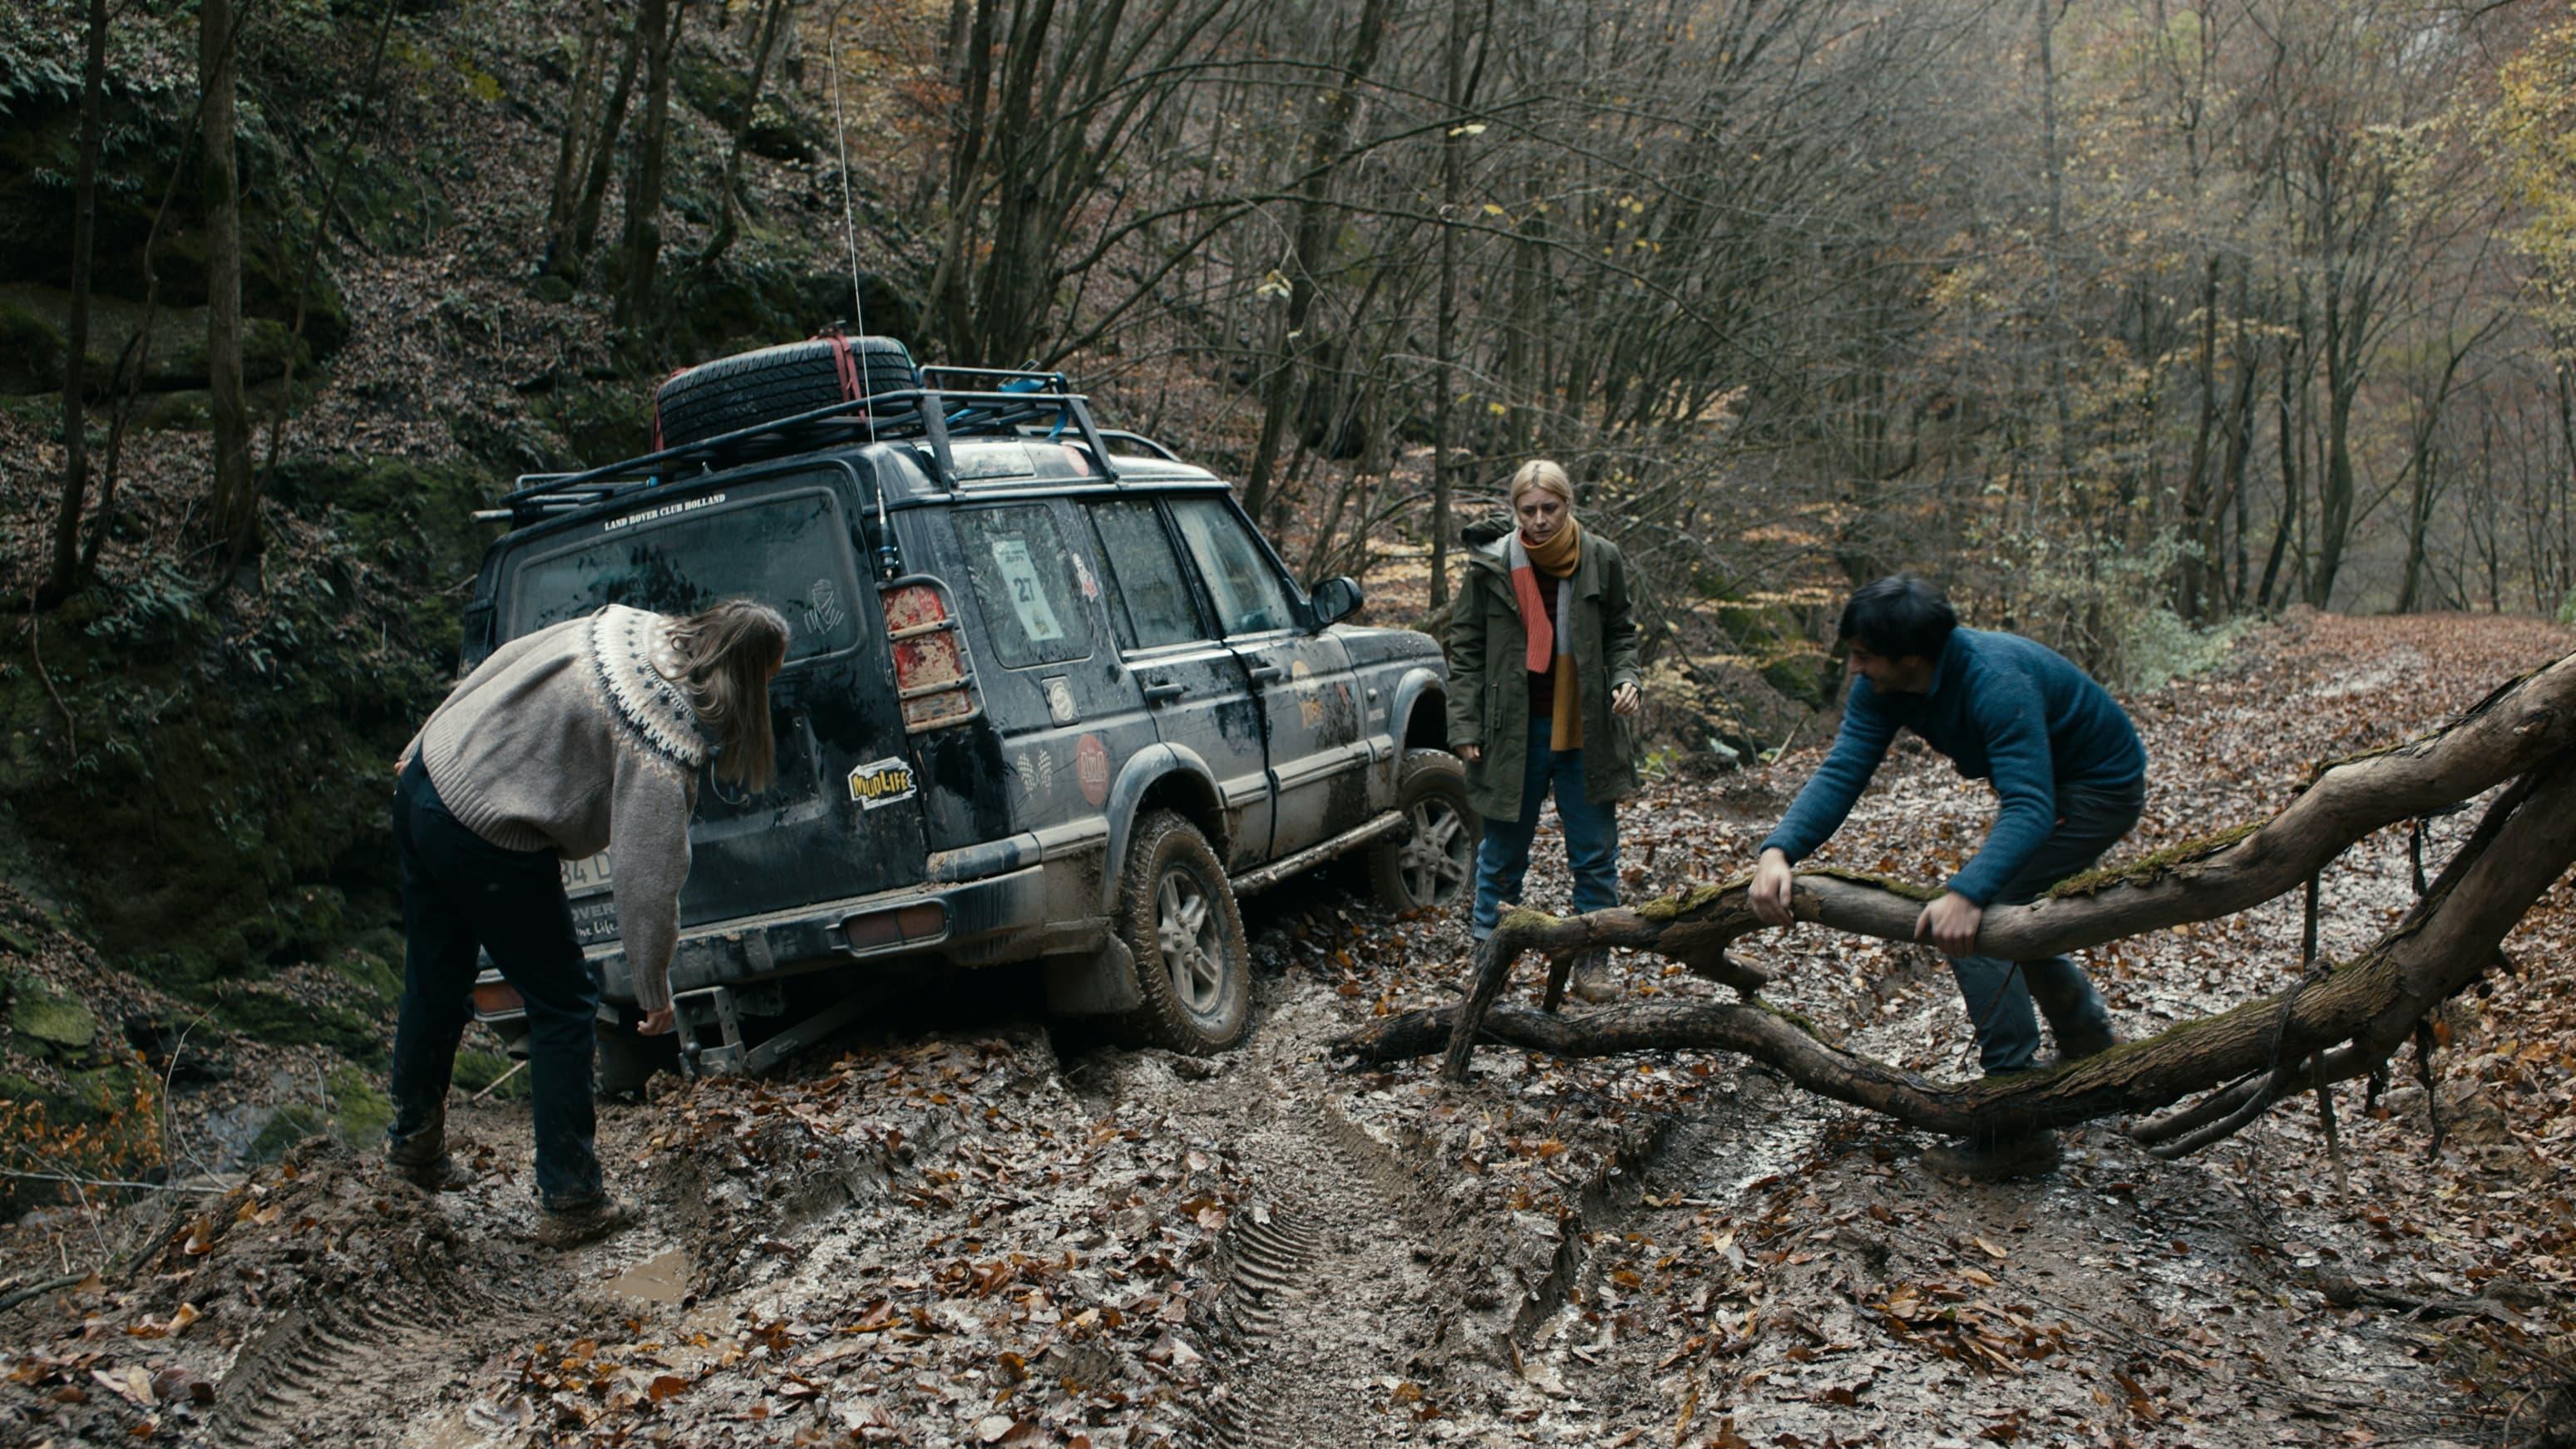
1433,865
1177,914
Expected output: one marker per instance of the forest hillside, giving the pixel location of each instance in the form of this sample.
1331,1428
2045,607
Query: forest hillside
2220,344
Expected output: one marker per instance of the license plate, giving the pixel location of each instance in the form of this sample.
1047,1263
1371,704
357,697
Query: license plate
587,877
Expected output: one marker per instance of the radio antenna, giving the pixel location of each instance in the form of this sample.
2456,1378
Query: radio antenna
850,225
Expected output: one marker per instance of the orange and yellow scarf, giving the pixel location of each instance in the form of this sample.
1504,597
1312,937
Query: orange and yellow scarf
1557,558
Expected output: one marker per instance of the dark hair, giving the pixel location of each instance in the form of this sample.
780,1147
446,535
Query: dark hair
726,653
1899,615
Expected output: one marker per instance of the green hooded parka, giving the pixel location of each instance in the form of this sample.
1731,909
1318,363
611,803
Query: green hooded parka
1489,683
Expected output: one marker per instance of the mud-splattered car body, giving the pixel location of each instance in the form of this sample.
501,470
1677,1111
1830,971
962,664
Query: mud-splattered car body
1007,650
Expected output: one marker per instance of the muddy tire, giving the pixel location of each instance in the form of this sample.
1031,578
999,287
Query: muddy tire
1433,866
1177,915
626,1062
750,388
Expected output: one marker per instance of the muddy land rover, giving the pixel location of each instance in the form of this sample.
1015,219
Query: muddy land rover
1050,697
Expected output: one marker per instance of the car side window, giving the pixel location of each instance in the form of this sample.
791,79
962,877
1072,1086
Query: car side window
1249,596
1149,601
1024,577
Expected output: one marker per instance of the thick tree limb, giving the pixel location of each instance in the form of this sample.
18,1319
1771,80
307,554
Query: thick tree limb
2350,1022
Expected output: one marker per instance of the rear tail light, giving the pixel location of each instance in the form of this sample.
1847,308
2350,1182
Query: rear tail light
930,674
497,999
911,925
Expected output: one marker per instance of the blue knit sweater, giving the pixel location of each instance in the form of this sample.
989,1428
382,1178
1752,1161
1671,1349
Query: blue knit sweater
2002,708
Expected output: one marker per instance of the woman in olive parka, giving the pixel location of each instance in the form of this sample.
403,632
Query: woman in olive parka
1542,684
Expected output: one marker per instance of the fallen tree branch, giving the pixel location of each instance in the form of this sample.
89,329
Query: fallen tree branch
2349,1022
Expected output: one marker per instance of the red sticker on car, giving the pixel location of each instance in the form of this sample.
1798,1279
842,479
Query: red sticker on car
1091,768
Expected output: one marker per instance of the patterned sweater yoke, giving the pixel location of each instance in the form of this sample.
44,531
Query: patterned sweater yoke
652,712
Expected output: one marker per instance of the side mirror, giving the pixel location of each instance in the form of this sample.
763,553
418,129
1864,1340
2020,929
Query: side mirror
1336,599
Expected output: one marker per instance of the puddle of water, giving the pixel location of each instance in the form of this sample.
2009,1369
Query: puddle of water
479,1426
661,1280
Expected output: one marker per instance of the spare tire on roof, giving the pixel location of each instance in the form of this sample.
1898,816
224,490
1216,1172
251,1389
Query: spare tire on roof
751,388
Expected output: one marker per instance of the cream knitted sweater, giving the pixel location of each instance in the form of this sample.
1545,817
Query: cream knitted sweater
573,739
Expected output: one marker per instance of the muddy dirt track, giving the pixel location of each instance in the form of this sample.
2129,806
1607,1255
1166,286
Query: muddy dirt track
972,1231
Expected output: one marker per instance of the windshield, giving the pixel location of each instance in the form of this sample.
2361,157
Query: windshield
788,550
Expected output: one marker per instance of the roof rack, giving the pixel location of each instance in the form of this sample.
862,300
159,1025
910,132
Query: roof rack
1016,400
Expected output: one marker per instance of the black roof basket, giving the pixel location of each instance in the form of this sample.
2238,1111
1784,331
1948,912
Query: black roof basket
1007,404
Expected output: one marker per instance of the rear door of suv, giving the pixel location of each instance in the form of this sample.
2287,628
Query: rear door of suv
844,818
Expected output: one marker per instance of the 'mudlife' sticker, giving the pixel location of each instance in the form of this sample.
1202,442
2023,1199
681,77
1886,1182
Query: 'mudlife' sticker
881,783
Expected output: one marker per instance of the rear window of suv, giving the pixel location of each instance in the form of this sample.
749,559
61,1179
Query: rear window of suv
788,550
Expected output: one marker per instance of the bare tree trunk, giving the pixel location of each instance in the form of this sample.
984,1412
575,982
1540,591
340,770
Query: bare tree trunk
773,23
2200,523
236,503
1329,138
661,21
950,292
569,257
1459,85
2291,503
2335,485
577,128
64,577
2046,25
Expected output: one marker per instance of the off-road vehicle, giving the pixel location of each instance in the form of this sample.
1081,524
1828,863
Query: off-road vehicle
1051,696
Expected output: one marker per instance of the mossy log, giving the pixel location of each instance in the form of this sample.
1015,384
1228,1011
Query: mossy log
2350,1021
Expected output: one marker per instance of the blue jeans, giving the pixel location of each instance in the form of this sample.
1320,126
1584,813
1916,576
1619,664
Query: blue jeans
1591,837
460,892
1999,997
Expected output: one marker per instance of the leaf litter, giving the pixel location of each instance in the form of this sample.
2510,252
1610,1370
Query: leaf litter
986,1236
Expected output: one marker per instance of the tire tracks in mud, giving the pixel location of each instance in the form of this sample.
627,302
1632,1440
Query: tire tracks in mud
353,1371
1323,1292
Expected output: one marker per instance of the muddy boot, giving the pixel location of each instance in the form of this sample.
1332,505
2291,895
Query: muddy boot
1996,1159
421,1159
570,1227
1591,979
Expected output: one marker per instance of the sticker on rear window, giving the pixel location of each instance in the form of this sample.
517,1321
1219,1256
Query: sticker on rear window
1028,595
882,783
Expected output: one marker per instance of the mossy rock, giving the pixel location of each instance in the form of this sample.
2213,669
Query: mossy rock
15,1088
108,1093
66,1027
1802,677
551,289
266,1016
783,134
360,1111
371,972
716,87
31,349
476,1071
600,422
285,1128
177,359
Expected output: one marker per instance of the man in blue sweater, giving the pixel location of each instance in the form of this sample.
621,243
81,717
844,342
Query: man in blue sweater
2069,773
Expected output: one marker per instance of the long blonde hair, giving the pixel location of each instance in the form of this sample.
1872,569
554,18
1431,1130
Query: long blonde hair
726,655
